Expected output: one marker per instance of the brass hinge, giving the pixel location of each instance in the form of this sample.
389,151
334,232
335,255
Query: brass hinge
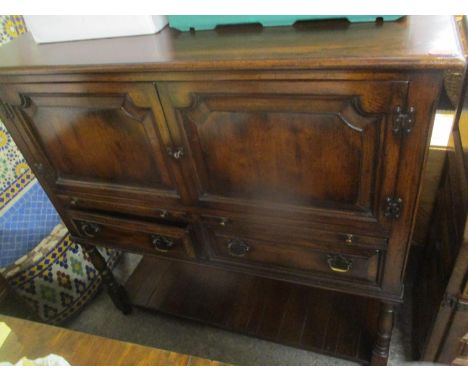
393,206
403,120
454,302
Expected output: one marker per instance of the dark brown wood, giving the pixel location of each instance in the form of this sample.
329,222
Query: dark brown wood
116,292
333,323
414,40
384,334
290,153
441,281
130,234
269,153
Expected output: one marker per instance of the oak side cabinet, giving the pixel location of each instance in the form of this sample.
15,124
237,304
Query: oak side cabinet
270,176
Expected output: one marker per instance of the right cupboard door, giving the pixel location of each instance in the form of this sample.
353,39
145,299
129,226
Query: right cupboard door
322,150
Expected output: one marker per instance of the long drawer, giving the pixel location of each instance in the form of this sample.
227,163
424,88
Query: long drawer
175,241
314,253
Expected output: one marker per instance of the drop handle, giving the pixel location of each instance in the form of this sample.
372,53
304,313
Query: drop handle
90,229
162,244
238,248
339,263
176,153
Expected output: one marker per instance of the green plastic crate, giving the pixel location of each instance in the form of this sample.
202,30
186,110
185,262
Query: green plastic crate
187,22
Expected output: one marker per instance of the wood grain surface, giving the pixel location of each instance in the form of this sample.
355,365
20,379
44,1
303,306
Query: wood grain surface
34,340
428,41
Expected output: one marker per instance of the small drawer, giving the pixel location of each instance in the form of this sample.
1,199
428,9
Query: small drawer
138,208
295,257
134,235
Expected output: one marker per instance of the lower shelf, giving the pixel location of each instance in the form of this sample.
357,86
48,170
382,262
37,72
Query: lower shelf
323,321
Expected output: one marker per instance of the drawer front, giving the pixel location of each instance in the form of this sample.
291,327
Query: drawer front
361,265
159,239
303,149
166,212
323,236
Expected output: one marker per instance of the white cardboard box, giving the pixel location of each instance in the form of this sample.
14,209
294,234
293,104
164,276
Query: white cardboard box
69,28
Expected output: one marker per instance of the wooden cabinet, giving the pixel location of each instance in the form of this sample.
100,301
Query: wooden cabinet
293,158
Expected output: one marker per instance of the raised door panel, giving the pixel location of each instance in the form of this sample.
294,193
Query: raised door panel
304,148
99,138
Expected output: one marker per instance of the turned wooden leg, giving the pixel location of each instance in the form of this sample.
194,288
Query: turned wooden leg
116,291
384,335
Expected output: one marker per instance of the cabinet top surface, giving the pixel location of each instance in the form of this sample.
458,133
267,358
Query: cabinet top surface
412,42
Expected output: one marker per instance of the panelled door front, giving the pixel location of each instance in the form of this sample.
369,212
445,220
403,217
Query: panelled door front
103,139
298,148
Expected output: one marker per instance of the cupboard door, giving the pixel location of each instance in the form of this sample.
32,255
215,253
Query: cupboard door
305,148
99,138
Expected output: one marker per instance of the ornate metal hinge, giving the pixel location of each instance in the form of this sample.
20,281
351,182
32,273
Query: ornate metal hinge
403,121
453,302
393,206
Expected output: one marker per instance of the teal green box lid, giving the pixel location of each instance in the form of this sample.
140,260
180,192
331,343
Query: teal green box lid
204,22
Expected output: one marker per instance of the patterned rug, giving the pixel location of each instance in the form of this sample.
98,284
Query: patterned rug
39,261
56,278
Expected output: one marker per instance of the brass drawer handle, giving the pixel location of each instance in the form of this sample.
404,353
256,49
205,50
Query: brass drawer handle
223,222
339,263
162,244
90,229
349,238
238,248
176,153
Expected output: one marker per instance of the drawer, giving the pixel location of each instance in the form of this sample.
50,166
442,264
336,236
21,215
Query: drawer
165,212
320,236
139,236
303,258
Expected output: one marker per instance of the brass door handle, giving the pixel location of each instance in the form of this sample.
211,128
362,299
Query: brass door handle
162,244
339,263
238,248
90,229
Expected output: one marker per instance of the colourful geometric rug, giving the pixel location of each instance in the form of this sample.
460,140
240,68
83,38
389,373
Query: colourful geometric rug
56,278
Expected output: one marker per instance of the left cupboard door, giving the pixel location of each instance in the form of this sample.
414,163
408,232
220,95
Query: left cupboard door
103,139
